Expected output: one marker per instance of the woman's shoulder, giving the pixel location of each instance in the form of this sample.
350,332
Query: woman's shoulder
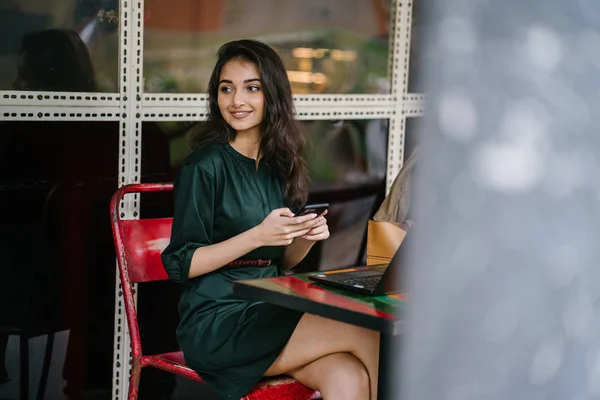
208,157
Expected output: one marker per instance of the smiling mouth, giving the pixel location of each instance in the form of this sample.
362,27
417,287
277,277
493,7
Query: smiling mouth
240,114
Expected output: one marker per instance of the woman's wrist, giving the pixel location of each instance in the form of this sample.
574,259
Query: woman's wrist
296,252
304,243
255,237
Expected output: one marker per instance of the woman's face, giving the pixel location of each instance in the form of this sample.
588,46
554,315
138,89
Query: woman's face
240,96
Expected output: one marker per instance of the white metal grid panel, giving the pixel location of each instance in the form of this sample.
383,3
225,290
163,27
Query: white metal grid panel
44,110
130,107
399,74
413,105
57,113
201,100
312,112
131,63
75,99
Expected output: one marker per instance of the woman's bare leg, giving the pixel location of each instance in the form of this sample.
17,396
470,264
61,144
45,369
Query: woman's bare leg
338,376
316,337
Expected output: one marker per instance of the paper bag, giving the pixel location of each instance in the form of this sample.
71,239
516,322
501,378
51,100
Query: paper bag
383,239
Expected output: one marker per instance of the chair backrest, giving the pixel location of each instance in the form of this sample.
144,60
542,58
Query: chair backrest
138,245
142,242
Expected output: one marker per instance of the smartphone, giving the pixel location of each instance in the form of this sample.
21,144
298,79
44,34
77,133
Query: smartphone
314,208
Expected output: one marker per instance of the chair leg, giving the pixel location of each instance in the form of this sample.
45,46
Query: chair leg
46,366
24,368
134,380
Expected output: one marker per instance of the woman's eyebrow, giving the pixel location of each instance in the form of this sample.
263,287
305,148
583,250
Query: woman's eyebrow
246,81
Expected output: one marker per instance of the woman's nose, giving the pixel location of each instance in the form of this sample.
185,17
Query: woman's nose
238,99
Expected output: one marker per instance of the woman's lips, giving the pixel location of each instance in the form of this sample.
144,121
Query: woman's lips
239,114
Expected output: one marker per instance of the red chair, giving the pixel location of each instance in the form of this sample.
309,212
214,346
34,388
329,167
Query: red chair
138,245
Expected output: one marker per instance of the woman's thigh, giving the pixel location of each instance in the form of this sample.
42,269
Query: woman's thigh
316,337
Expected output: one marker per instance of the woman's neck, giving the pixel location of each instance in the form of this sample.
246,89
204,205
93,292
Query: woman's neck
247,144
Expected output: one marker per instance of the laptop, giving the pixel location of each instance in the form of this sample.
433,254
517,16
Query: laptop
382,279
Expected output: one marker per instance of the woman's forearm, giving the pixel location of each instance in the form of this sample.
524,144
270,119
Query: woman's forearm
296,252
209,258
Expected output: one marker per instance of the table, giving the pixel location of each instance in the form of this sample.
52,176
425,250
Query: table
380,313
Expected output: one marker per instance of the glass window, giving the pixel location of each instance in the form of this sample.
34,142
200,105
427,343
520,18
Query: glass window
347,163
412,135
419,54
59,45
328,46
56,252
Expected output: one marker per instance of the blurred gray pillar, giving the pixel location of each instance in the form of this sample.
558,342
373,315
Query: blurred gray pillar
505,279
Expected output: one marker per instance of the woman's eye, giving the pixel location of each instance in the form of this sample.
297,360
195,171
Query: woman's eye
253,88
225,89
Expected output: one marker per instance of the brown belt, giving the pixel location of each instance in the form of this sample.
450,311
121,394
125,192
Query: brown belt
246,263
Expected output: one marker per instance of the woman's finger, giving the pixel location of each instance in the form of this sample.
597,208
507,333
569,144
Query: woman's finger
318,222
308,224
315,238
319,233
318,229
298,233
321,221
301,219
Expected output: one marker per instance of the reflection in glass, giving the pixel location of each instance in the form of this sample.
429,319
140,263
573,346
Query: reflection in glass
328,46
59,45
55,247
346,151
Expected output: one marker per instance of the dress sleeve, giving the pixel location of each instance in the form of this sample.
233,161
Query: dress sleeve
194,200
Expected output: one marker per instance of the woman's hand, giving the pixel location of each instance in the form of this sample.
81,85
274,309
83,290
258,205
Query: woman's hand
280,227
318,232
296,251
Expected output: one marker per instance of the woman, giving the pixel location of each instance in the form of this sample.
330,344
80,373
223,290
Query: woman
233,197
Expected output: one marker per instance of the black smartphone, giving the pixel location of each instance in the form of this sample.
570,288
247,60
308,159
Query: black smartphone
314,208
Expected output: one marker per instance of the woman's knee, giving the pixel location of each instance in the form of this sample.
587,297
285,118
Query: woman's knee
348,379
316,337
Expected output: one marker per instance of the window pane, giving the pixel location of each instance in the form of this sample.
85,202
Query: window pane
59,45
328,46
419,58
55,187
347,163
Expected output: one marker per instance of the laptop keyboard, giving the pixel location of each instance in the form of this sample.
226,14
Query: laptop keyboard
368,282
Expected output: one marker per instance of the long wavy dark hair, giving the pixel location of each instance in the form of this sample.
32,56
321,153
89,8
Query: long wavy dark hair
56,59
282,138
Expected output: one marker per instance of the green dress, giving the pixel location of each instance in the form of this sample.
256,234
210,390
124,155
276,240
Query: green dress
229,341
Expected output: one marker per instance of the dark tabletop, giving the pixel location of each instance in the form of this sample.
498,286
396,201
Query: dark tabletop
380,313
